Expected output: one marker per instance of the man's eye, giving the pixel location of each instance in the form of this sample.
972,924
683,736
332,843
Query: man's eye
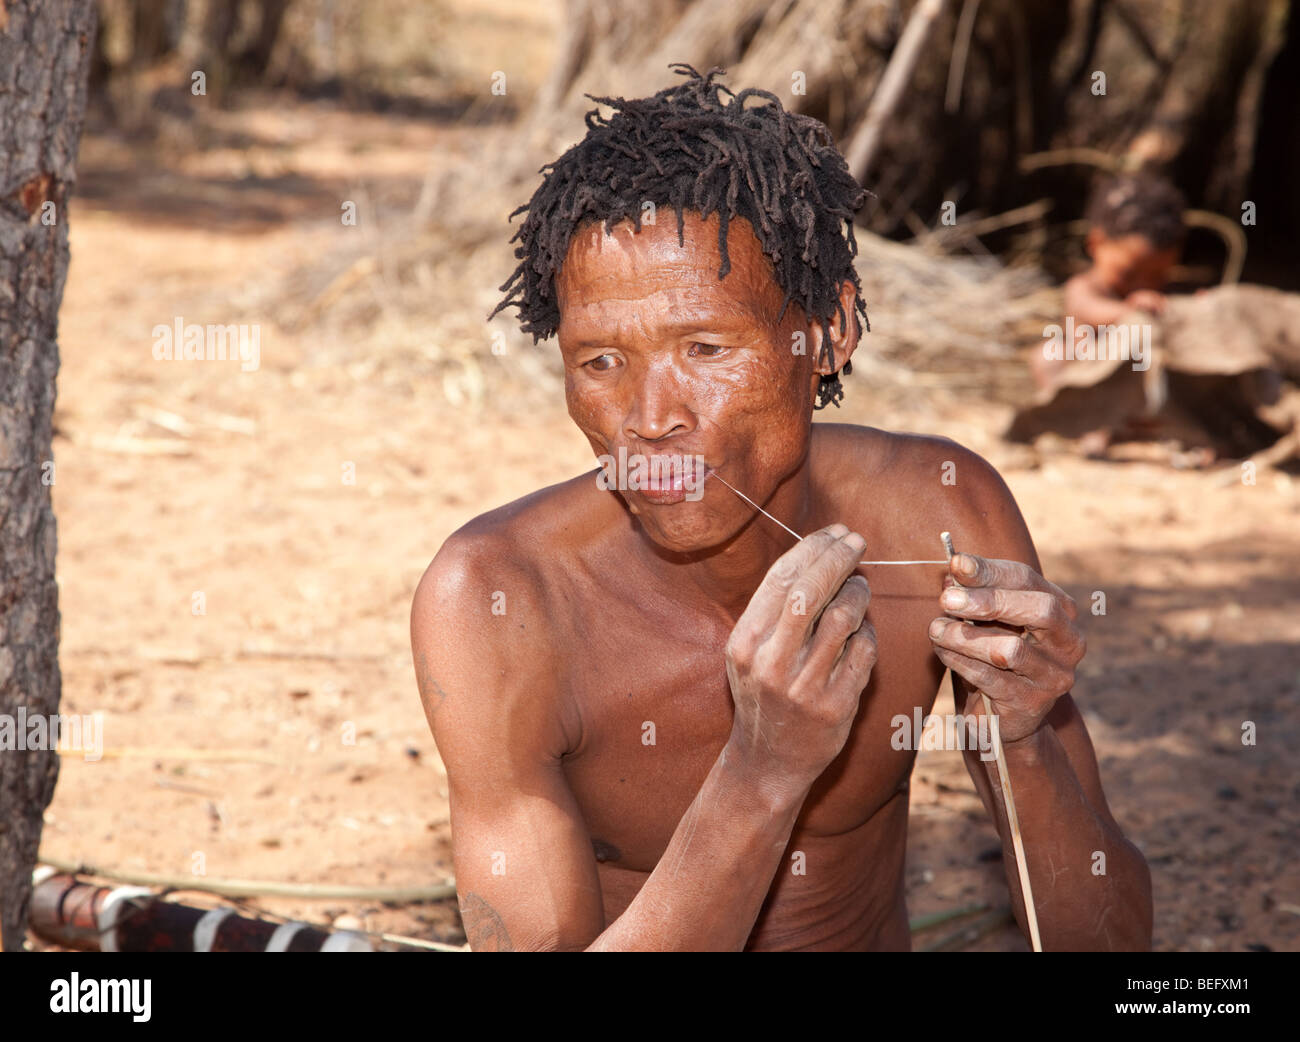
707,350
601,363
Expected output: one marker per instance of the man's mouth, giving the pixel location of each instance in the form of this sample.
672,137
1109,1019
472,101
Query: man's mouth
662,478
675,473
673,479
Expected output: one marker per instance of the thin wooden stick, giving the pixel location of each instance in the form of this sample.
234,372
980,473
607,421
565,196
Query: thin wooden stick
416,942
867,138
1234,239
960,49
1068,156
130,446
140,752
926,922
971,932
261,888
1013,822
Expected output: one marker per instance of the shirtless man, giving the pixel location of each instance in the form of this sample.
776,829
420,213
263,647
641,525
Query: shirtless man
667,724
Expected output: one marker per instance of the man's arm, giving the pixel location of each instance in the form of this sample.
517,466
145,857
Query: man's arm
525,869
1091,886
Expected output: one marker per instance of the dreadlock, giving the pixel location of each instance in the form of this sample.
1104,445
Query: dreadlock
688,149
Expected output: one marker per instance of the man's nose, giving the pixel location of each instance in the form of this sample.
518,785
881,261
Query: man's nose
659,407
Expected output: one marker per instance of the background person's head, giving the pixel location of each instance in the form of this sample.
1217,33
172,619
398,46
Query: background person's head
1135,232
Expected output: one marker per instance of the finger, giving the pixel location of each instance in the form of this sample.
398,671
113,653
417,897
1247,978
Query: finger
999,646
815,588
839,621
1033,609
973,570
859,658
1001,687
1003,650
770,597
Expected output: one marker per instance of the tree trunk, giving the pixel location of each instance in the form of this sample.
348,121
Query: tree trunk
45,53
229,57
153,31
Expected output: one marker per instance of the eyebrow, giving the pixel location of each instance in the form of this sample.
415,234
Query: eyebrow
696,321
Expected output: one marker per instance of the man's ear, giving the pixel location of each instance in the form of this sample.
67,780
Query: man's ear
1094,239
844,334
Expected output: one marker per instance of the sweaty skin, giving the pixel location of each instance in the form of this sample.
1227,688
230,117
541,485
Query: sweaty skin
673,731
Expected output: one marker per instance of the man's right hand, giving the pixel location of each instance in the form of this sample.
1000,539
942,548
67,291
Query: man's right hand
799,659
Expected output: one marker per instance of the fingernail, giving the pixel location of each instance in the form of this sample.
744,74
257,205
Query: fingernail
838,531
966,564
937,627
955,599
855,542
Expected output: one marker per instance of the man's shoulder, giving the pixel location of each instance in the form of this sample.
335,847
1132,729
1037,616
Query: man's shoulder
868,454
483,623
917,478
506,554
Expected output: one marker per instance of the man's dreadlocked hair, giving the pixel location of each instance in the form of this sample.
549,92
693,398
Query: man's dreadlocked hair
1141,203
688,149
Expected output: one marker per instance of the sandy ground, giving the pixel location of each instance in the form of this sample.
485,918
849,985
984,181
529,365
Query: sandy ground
298,672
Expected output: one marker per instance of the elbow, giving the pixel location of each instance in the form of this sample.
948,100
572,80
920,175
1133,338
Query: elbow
1137,911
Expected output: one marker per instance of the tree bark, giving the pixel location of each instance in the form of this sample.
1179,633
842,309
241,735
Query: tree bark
45,53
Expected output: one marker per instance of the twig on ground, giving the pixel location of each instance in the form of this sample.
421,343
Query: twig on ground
261,887
971,932
926,922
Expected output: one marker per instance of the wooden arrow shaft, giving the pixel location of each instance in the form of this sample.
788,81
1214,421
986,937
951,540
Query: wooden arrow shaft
1009,802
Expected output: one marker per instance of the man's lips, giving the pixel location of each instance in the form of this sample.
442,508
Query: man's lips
660,478
674,473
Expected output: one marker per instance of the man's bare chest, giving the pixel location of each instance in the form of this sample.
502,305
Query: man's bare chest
656,710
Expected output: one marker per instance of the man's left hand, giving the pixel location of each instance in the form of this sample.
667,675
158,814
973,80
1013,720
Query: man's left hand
1023,652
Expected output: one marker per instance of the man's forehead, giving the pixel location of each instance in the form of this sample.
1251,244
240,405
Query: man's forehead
625,265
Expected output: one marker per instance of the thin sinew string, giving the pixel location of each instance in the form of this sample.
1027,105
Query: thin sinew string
715,474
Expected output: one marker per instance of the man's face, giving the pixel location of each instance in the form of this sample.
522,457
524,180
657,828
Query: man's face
1130,262
664,360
